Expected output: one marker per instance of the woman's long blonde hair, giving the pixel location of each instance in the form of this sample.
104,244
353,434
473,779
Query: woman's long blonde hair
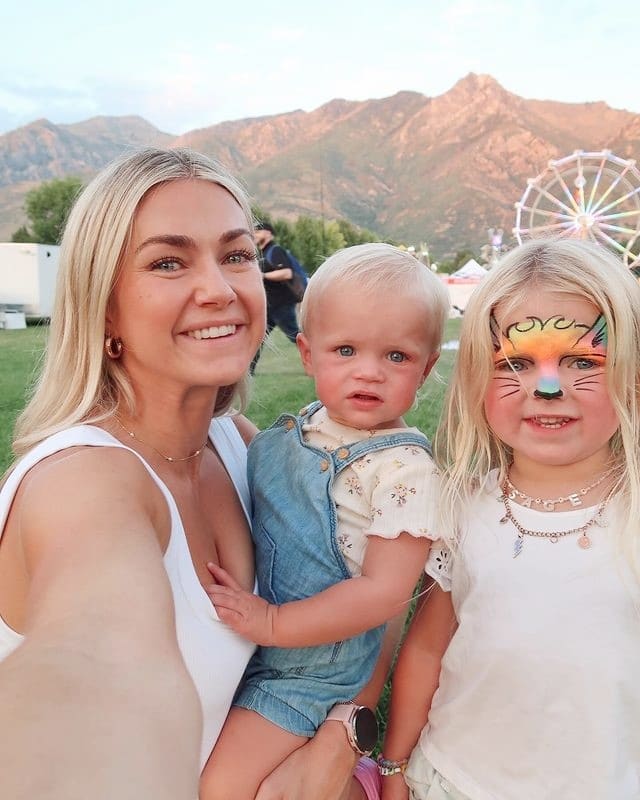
78,383
465,447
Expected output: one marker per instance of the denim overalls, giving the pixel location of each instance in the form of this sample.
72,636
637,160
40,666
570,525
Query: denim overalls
297,556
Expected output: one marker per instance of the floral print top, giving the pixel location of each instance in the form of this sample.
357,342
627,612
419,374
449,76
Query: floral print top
385,493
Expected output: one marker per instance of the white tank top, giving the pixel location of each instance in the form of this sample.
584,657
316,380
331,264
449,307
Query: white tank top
215,656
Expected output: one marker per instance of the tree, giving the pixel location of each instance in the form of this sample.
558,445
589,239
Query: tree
21,235
312,239
47,209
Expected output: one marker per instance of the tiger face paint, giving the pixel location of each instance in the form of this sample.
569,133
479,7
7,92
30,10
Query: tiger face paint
548,398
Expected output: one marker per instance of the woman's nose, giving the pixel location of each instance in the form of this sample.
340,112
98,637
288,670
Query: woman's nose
213,287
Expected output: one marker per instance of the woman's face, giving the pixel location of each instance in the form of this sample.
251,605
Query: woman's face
189,304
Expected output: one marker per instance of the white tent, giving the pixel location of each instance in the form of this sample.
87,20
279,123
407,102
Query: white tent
470,270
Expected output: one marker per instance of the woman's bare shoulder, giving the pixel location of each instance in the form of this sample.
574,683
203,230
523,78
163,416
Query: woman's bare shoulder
90,489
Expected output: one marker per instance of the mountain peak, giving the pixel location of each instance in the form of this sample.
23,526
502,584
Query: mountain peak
475,82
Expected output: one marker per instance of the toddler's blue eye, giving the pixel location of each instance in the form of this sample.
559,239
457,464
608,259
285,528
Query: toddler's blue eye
397,357
346,350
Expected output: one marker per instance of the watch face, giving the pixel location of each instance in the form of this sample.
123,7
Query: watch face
366,729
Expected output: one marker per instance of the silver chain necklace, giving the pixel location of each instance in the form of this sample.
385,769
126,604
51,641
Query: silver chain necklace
575,498
171,459
553,536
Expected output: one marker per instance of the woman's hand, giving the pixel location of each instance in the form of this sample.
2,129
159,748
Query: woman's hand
319,770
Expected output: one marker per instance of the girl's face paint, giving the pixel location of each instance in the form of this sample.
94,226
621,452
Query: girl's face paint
546,345
548,398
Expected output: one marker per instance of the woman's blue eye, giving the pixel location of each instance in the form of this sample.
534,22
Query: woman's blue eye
397,357
346,350
240,256
166,265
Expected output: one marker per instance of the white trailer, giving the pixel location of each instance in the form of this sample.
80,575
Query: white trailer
28,277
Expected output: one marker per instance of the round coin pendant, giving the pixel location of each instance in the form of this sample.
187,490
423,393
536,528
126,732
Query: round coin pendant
584,541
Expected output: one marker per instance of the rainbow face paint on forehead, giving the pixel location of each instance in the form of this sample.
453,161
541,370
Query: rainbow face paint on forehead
547,344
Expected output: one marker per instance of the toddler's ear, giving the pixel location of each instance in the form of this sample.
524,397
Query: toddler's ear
430,365
305,353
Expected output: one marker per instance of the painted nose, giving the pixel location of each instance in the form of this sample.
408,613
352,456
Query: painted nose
548,388
548,395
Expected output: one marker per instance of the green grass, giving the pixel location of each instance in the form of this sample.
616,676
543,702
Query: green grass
20,353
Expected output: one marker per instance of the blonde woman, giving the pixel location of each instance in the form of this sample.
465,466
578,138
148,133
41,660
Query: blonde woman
116,673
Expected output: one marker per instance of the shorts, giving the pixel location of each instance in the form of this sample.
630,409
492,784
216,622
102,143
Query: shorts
426,783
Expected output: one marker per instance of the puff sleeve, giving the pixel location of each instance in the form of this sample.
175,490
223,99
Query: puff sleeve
404,496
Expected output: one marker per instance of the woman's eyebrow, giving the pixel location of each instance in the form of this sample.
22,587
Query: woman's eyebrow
171,239
235,233
186,242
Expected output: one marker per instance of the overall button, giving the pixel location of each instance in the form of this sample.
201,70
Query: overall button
289,424
324,465
342,452
303,411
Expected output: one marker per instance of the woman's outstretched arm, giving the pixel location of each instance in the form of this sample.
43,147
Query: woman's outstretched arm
97,701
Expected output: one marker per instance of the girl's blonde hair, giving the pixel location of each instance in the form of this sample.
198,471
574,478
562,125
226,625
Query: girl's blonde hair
380,267
78,383
465,447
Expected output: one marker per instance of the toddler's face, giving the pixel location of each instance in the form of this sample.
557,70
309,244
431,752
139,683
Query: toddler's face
368,354
548,398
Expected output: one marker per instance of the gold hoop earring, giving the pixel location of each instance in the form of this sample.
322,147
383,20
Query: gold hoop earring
113,347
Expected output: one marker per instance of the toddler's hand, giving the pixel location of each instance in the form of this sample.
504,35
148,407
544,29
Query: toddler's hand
244,612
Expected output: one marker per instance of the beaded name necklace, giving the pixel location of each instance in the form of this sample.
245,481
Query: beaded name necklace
553,536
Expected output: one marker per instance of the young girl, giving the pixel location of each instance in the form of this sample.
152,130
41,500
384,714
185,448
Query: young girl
339,526
537,600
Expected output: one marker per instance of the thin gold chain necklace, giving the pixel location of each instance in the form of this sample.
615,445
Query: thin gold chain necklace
575,498
155,449
553,536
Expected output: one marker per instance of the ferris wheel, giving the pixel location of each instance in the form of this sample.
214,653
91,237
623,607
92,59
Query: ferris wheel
585,195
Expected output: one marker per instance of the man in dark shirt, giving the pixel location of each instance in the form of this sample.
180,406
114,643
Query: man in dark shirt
276,272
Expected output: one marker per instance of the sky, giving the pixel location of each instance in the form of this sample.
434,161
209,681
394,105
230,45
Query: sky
194,63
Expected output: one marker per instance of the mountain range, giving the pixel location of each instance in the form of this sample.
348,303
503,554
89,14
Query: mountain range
418,169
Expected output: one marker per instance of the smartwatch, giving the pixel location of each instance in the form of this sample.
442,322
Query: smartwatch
360,723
